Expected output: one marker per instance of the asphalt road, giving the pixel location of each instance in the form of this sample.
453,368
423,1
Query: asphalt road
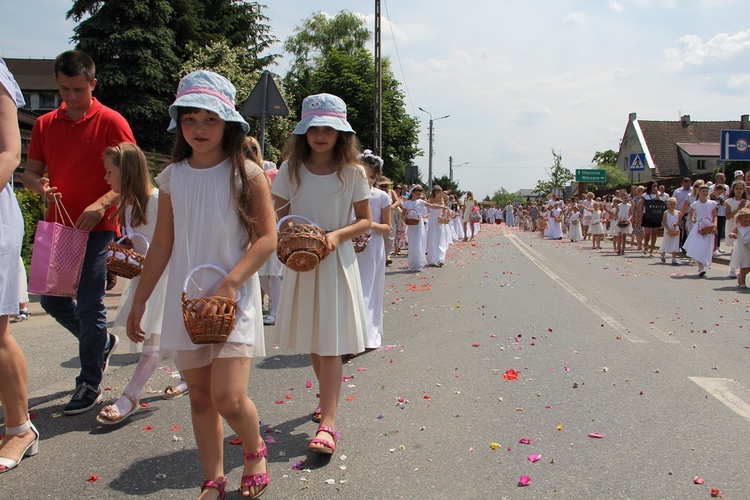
644,354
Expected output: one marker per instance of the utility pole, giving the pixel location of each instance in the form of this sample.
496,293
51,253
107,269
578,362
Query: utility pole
429,172
378,136
450,167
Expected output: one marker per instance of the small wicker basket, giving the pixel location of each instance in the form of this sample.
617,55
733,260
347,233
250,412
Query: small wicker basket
412,220
125,262
444,220
213,328
301,247
360,242
673,232
707,230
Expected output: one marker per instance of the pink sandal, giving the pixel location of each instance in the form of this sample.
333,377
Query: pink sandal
316,415
261,479
328,446
221,486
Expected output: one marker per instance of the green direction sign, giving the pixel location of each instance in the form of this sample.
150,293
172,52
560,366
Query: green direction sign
591,175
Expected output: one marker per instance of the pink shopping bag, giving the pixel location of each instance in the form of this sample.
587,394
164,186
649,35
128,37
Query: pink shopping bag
57,257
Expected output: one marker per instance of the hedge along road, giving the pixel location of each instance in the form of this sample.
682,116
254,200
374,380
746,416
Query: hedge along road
644,355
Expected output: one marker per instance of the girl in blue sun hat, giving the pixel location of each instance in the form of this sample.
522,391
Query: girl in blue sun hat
209,195
322,312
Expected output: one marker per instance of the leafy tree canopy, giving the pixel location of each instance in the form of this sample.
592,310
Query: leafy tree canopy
140,45
448,185
559,177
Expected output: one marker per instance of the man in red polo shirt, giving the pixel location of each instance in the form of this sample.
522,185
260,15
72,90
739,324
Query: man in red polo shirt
67,144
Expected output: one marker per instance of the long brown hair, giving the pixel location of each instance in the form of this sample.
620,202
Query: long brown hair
232,141
345,152
135,182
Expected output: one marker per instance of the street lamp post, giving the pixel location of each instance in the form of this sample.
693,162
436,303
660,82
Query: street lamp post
429,171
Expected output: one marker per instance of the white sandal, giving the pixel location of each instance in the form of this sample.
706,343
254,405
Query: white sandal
31,450
109,416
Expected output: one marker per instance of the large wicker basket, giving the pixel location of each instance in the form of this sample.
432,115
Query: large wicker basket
125,262
212,327
360,242
412,219
301,247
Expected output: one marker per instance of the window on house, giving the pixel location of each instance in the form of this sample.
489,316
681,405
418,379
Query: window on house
47,100
701,165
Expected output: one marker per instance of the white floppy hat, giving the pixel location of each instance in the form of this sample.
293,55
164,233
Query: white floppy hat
206,90
323,110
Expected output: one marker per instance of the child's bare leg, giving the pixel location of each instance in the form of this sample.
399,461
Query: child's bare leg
207,427
230,378
329,371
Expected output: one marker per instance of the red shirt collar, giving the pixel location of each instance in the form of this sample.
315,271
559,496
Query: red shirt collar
61,114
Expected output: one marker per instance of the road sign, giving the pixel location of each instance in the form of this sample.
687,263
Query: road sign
265,100
735,145
591,175
637,161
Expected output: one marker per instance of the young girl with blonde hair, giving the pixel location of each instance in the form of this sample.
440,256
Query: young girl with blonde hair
211,194
127,173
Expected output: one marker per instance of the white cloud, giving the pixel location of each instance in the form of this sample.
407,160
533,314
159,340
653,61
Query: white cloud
722,52
529,113
580,18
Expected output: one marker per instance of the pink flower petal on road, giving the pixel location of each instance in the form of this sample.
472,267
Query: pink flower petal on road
308,384
595,435
524,441
534,458
524,481
698,480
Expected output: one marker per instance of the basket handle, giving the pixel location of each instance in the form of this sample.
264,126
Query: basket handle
292,216
205,266
126,236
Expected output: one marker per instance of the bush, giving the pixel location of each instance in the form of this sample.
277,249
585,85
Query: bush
33,209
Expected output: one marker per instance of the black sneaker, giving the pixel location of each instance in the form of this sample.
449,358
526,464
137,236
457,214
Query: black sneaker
83,399
113,341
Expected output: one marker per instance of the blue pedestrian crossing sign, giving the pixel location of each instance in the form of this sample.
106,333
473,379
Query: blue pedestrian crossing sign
735,145
637,161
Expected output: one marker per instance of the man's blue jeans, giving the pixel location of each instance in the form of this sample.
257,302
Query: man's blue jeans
86,317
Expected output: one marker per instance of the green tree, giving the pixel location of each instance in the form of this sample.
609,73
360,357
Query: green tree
139,46
448,185
607,160
239,66
330,56
559,177
134,51
318,35
501,197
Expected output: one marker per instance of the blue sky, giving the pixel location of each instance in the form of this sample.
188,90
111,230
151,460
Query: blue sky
517,77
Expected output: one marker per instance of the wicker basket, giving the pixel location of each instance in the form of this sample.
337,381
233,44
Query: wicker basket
213,328
707,230
412,220
444,220
673,232
623,223
125,262
360,242
302,246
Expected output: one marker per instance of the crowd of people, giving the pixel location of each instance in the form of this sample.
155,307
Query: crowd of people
83,157
694,220
218,188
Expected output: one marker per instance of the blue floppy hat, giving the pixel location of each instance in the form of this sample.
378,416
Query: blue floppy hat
323,110
206,90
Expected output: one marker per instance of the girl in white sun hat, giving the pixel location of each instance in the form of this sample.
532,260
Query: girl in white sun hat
211,194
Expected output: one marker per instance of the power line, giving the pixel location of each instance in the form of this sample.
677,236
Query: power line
398,56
